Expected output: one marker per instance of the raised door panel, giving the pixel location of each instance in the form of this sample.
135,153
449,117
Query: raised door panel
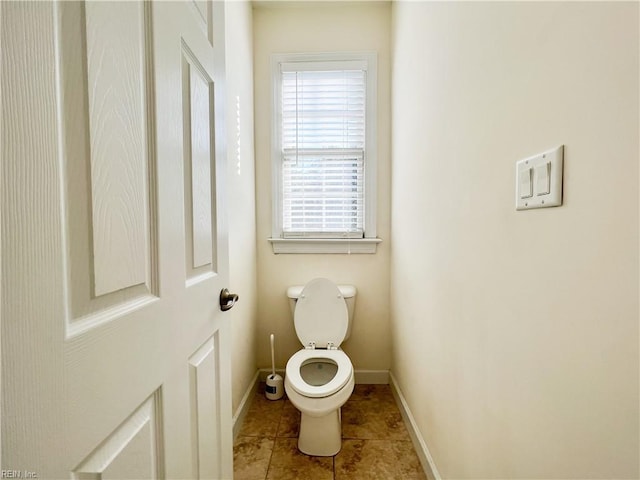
202,7
200,221
109,161
205,409
133,450
203,11
115,37
200,169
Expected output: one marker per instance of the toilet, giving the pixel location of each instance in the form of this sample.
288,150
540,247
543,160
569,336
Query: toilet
319,378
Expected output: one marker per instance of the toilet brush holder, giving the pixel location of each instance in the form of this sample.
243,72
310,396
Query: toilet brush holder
274,389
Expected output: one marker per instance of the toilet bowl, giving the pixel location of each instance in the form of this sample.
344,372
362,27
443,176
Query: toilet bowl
319,379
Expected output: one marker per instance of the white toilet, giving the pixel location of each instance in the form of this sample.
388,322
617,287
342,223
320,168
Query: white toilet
319,378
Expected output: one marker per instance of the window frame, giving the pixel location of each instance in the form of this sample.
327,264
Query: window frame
368,243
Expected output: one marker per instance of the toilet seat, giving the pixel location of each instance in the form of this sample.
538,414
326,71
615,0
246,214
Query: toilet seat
341,378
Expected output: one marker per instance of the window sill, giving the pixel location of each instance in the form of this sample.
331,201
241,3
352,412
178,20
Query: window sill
324,245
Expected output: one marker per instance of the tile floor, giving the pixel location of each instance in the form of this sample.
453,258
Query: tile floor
375,445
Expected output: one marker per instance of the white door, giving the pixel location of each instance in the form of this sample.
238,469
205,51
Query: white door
115,360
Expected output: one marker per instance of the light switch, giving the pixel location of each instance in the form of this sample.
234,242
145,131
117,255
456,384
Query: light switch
526,185
543,178
539,180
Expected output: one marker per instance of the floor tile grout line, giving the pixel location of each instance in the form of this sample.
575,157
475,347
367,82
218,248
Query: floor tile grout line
275,439
334,465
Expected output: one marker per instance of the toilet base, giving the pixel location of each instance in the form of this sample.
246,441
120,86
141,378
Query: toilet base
320,436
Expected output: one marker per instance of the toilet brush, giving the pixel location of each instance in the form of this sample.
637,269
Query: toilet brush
274,389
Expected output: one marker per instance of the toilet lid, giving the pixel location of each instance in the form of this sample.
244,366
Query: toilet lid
342,376
321,314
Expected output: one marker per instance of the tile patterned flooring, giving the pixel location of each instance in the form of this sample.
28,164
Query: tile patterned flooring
375,442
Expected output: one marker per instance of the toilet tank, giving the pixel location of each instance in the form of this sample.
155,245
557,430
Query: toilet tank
348,293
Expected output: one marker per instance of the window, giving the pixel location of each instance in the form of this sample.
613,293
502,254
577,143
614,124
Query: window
324,153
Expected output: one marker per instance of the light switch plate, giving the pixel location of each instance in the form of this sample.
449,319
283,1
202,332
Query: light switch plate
554,158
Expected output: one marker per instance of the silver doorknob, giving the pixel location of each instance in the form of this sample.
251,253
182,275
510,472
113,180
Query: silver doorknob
227,299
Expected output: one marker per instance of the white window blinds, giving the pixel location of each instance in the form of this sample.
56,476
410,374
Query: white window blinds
323,149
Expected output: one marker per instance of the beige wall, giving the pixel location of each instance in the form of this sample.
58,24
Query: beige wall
516,340
329,27
241,188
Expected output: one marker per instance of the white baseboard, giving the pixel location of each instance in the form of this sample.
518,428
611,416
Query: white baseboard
420,445
245,403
